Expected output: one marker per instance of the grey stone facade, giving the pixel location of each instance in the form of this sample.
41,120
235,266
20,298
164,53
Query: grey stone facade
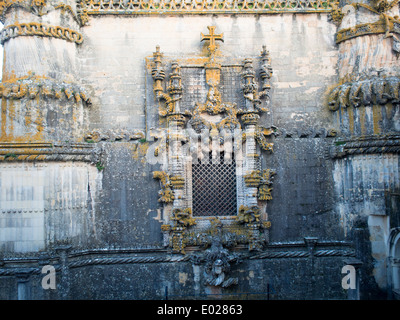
98,104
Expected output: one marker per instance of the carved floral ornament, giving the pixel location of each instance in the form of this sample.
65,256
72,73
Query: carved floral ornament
212,127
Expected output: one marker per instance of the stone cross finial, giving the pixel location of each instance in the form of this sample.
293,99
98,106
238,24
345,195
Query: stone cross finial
212,37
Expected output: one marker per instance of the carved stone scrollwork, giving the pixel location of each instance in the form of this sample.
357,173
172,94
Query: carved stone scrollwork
265,73
250,217
205,6
264,188
32,86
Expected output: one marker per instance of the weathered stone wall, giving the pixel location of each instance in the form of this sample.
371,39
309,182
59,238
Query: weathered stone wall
78,113
301,46
274,278
42,204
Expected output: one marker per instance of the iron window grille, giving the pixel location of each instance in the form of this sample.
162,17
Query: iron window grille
214,191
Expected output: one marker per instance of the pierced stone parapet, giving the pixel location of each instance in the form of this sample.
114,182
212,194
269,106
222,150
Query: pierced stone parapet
96,7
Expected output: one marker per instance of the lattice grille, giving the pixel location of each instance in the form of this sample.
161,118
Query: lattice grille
214,188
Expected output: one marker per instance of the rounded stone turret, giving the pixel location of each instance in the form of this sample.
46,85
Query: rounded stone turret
42,99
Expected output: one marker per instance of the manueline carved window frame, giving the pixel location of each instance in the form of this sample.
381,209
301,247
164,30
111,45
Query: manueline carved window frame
210,120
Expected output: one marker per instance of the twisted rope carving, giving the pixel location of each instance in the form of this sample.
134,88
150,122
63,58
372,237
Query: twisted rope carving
333,253
39,29
128,260
303,254
284,254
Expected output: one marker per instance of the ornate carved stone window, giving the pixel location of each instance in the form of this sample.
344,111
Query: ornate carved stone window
209,150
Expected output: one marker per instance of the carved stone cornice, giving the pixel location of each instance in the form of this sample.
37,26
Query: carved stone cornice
41,30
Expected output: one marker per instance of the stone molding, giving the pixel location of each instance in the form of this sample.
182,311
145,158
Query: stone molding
14,152
31,86
382,26
371,145
41,30
218,122
110,256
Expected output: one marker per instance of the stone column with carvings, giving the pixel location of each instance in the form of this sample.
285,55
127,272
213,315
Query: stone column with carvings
42,99
365,107
176,123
